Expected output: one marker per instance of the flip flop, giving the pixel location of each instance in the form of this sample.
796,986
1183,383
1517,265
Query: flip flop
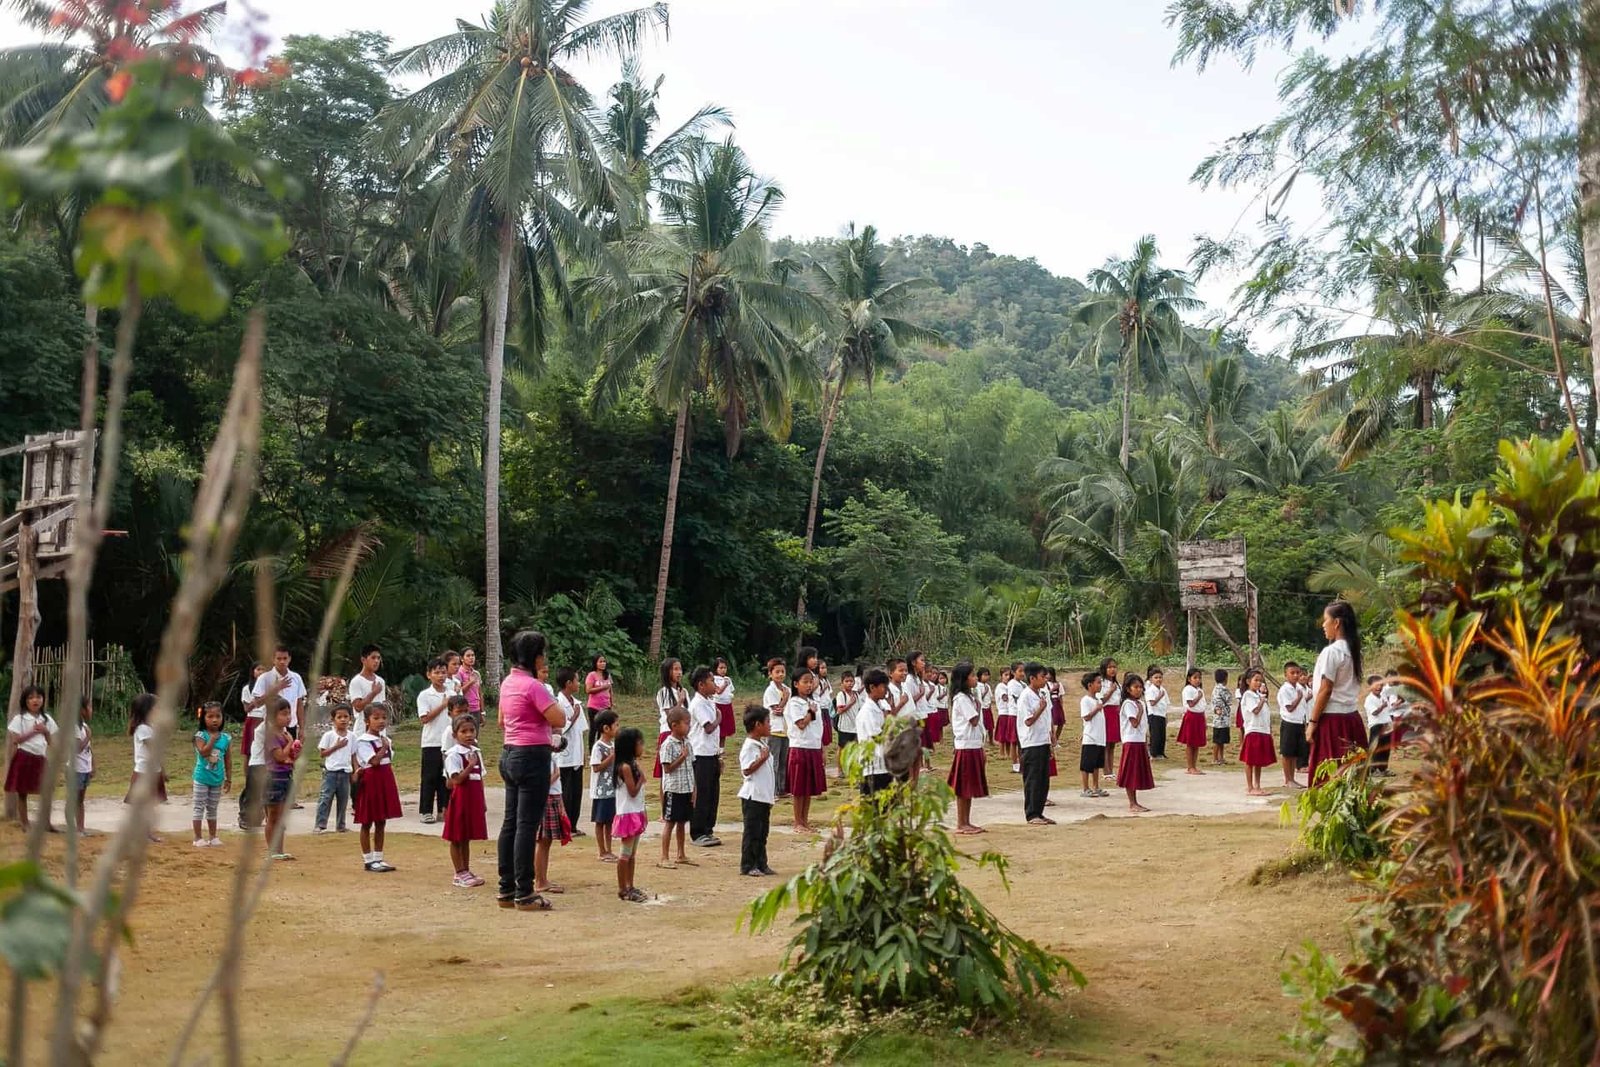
533,903
1041,821
667,865
549,889
684,861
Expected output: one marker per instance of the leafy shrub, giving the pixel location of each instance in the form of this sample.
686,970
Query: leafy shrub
578,630
1482,945
1339,812
885,922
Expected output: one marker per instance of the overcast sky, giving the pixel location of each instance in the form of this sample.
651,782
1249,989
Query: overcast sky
1056,129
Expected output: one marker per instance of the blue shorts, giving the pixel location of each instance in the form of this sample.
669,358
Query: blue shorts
84,778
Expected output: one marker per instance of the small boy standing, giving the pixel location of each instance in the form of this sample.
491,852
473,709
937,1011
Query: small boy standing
336,748
775,699
432,705
757,793
1221,717
677,789
603,787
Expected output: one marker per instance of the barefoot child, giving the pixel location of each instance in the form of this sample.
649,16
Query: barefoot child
677,788
756,794
808,776
1192,730
213,772
1134,773
1092,749
282,751
1005,720
29,732
377,796
968,775
603,775
1221,718
1256,752
554,827
630,821
336,749
1292,707
466,816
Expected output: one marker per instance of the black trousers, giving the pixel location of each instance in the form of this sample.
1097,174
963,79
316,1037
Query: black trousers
779,747
1158,736
526,772
434,795
1378,742
572,793
1035,780
753,849
707,792
253,797
875,783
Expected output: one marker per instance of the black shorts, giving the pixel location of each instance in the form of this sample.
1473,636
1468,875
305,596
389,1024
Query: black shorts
1220,735
1091,758
603,810
679,807
846,738
1292,741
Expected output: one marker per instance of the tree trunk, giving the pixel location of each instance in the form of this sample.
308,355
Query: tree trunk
1589,171
27,626
494,360
1126,455
830,413
658,617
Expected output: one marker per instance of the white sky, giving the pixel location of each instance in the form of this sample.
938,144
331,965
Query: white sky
1048,128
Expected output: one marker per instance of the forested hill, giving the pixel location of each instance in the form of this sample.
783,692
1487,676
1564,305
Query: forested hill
1020,315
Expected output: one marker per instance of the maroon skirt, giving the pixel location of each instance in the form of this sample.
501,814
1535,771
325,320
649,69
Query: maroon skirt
1058,716
1005,729
1133,769
1053,771
827,730
1238,717
1192,731
988,724
726,727
379,799
932,729
808,775
466,817
659,740
1337,734
1257,751
25,774
967,774
1113,727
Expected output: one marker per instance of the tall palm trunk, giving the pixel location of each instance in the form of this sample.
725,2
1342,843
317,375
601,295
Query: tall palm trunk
494,361
1589,170
658,617
1126,455
830,413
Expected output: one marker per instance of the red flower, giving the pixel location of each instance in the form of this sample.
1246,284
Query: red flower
117,86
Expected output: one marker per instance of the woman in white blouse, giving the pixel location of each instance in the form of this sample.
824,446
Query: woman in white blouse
1334,727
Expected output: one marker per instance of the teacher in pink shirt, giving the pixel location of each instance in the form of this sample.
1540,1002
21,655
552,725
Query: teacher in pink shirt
527,713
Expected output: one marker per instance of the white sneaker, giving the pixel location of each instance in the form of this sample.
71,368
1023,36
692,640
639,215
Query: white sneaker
1016,768
216,842
201,842
319,829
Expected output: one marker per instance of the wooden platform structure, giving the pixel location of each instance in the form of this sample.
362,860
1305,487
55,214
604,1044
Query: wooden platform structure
1212,575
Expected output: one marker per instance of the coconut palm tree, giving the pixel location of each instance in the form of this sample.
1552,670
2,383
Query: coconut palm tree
1136,310
701,311
1282,452
628,128
863,341
507,123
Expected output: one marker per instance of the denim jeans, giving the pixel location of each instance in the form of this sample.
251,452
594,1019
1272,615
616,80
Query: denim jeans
526,772
335,784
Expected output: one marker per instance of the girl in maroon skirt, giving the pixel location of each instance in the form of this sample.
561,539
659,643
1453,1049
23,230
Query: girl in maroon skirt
379,799
1334,725
466,817
1134,773
723,698
29,733
968,776
1192,730
808,776
1058,713
1005,719
671,695
984,693
1257,751
1112,695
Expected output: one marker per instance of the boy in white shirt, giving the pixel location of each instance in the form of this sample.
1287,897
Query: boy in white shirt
756,794
432,704
1033,733
280,681
1380,716
1293,704
1092,752
571,758
1156,703
871,717
775,699
336,748
705,745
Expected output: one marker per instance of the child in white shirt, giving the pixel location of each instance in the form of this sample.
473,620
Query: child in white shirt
756,793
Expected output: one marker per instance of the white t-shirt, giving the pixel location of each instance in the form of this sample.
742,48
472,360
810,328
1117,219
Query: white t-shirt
83,760
775,697
1254,711
1136,733
22,722
436,732
629,803
145,760
1092,712
340,760
803,737
456,758
869,727
1155,700
294,691
576,726
1039,733
760,786
361,689
1291,703
966,720
847,702
367,750
666,700
1334,664
1378,713
703,712
823,694
1194,699
1111,693
921,694
1396,702
246,695
724,686
1002,696
985,695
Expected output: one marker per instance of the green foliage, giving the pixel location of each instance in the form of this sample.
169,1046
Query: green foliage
886,923
36,919
1339,813
580,630
41,343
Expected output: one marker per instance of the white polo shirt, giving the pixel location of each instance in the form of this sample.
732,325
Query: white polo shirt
294,692
808,736
702,713
966,720
760,786
1039,733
